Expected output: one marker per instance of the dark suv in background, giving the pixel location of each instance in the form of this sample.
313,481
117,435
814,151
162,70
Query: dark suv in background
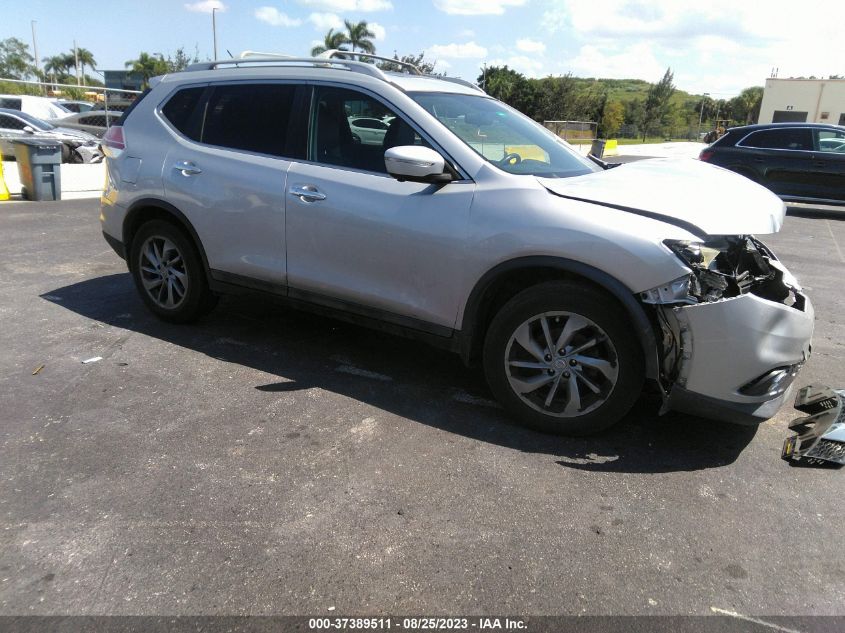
801,162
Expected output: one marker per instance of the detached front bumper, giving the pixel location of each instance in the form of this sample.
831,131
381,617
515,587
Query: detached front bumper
740,356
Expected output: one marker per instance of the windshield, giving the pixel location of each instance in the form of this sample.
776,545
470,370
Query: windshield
504,136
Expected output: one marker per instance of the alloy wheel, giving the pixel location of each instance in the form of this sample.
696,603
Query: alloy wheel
561,364
163,272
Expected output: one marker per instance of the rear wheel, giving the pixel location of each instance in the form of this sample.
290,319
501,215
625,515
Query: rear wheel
168,273
561,359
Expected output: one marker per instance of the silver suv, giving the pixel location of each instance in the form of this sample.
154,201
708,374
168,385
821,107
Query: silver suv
464,223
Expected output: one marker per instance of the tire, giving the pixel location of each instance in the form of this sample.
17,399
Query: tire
176,290
65,153
601,359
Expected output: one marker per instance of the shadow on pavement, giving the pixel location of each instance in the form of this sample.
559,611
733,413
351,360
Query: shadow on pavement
402,377
820,213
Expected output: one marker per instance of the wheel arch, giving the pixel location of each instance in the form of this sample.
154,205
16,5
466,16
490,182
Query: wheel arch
146,209
505,280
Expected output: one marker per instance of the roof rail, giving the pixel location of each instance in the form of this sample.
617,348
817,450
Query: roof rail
334,58
276,59
461,82
246,54
336,53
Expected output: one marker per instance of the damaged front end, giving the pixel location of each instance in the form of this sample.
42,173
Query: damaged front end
735,330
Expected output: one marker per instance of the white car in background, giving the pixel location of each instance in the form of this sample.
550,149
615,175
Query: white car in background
40,107
368,130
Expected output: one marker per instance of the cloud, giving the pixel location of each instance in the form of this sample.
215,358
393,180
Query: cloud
326,21
637,61
346,6
274,17
379,31
476,7
205,6
527,45
470,50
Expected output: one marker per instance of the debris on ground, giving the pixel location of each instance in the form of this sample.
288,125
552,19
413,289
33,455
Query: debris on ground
92,360
37,370
820,439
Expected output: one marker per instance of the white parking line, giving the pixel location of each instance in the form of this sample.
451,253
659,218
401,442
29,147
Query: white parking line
739,616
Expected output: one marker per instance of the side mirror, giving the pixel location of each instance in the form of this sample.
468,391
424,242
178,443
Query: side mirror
28,129
417,164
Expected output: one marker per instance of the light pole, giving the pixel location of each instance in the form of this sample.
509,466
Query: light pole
701,113
214,28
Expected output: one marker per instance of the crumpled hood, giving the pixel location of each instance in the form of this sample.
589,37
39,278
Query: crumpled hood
699,197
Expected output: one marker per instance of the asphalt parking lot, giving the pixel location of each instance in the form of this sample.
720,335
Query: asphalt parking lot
269,462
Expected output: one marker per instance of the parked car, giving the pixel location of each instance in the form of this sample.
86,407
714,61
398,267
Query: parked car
571,283
368,130
40,107
94,122
800,162
77,146
76,106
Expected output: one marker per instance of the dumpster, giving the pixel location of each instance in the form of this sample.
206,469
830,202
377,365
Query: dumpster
597,149
39,166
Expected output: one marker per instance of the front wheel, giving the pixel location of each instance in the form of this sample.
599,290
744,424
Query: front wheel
561,358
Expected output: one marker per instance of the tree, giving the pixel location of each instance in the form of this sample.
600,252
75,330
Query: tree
57,66
180,60
426,68
510,86
148,66
612,118
334,40
15,60
745,107
86,58
656,108
358,36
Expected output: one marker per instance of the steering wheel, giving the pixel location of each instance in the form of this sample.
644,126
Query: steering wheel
511,159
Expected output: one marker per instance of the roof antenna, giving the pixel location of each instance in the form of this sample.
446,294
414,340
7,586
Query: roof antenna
230,54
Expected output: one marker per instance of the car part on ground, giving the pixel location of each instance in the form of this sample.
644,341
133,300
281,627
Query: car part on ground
467,225
820,438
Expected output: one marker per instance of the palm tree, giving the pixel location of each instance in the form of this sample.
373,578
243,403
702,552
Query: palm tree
86,58
58,66
334,40
148,66
358,35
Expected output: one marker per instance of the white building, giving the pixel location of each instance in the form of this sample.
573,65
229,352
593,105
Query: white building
803,101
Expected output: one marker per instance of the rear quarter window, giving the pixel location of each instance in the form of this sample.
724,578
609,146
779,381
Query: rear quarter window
180,108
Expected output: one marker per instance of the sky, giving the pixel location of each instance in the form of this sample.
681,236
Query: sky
713,46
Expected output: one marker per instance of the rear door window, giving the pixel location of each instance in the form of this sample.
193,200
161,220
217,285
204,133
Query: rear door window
787,138
254,117
830,141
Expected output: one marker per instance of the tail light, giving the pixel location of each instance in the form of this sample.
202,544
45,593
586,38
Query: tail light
113,141
706,154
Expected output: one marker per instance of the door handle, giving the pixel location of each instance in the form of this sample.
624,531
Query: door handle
819,163
187,168
307,193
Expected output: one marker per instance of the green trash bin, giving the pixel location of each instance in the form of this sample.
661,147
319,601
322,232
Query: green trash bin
39,166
